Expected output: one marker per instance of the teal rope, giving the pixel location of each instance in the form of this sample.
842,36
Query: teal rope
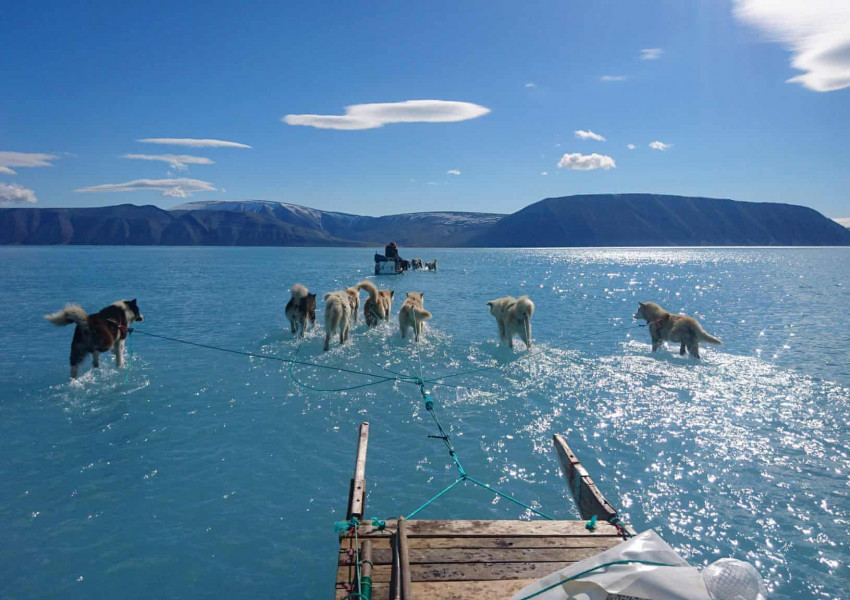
298,382
263,356
596,568
444,491
511,498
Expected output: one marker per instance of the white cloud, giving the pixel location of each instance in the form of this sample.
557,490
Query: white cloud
816,31
631,146
613,78
177,162
453,172
656,145
193,143
586,162
843,221
531,85
545,173
589,135
175,188
370,116
651,53
15,194
24,159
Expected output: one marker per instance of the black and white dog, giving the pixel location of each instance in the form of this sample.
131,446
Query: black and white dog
103,331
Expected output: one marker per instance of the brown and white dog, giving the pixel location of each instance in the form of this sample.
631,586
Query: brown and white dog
337,316
103,331
513,316
378,305
680,329
416,264
354,300
413,314
301,310
431,265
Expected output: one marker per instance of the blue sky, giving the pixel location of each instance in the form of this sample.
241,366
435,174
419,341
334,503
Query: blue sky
706,79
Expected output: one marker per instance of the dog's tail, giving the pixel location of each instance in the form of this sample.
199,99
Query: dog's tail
709,339
299,291
72,313
524,306
370,289
421,314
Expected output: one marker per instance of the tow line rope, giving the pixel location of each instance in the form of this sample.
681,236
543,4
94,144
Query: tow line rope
420,381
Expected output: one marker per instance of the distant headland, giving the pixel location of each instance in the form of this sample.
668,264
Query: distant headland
584,220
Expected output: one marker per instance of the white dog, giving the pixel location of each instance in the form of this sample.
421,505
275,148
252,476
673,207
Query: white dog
513,315
337,316
413,314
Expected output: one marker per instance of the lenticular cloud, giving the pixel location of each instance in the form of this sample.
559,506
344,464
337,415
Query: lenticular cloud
371,116
174,188
586,162
816,31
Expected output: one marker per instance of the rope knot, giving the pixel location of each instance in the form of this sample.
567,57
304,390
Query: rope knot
343,527
591,525
429,404
379,524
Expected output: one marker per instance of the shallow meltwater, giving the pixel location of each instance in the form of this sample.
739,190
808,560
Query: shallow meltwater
195,472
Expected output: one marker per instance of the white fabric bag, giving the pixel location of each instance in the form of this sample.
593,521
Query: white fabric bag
631,580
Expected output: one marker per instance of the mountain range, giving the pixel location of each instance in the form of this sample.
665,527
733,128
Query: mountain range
585,220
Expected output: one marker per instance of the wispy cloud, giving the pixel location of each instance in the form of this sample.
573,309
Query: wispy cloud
588,135
613,78
843,221
193,143
651,53
545,173
530,85
371,116
24,159
586,162
631,146
177,162
453,172
175,188
656,145
816,31
15,194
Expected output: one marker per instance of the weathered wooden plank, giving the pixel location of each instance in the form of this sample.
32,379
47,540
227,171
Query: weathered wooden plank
383,556
588,498
454,590
404,560
584,541
477,528
467,571
357,490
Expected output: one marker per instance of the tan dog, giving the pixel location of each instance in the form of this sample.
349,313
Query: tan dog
413,314
378,305
513,316
354,300
337,316
666,327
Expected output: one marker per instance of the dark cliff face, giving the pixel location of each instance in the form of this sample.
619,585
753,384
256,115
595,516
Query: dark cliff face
592,220
654,220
